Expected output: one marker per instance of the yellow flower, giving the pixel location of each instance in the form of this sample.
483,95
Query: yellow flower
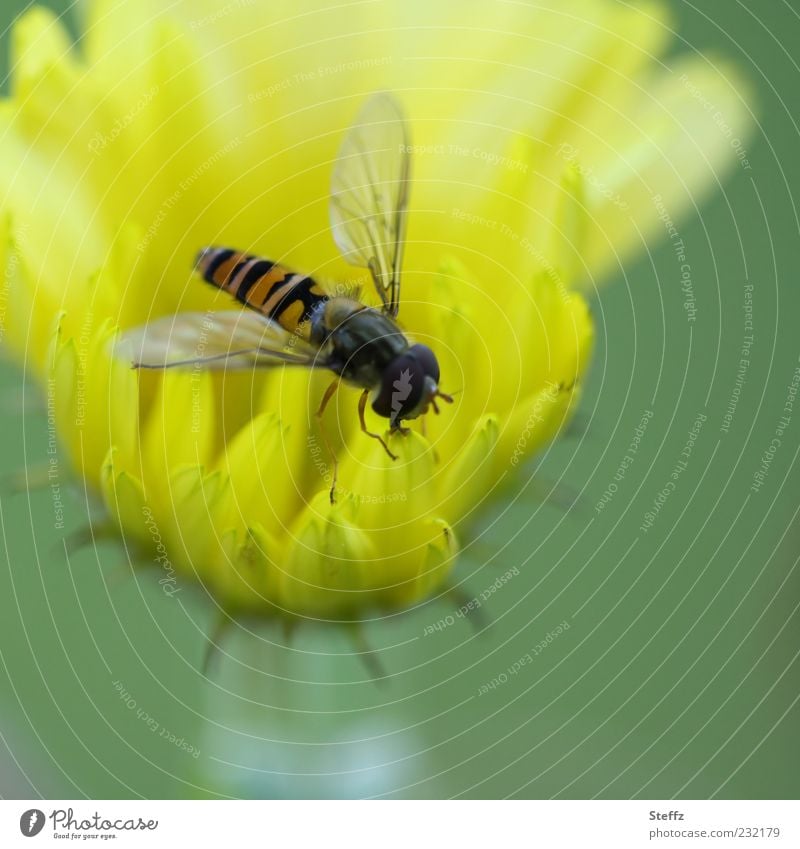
547,146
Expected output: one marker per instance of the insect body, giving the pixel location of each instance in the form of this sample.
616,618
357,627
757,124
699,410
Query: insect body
292,321
281,295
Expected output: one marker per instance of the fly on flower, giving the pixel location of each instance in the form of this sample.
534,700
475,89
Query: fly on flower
292,321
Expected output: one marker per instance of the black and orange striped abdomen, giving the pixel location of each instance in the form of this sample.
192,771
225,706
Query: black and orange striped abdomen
280,294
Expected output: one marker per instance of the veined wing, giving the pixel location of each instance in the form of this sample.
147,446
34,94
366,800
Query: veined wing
369,195
225,340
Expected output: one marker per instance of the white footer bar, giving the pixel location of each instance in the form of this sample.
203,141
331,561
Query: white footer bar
406,824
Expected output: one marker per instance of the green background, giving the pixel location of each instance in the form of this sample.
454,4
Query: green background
678,675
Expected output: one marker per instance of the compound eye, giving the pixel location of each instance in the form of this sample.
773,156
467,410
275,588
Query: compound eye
402,387
427,360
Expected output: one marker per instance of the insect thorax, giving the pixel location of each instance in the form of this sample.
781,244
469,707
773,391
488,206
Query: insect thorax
363,341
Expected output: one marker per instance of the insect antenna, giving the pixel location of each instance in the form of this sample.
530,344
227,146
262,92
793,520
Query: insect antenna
443,396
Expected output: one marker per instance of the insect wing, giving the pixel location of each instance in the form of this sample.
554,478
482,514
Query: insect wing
369,195
225,340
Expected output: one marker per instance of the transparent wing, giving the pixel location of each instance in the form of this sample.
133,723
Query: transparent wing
226,340
369,195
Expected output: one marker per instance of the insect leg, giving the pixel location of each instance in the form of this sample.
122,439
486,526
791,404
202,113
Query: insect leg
329,392
362,405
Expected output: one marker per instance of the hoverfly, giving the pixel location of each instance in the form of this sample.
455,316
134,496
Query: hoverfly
292,321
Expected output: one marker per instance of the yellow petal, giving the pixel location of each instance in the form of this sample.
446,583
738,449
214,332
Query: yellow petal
688,126
469,479
390,494
570,231
39,45
331,567
186,511
124,498
180,426
61,395
254,467
440,558
533,424
548,137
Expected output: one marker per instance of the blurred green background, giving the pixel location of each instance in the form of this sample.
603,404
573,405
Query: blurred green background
678,674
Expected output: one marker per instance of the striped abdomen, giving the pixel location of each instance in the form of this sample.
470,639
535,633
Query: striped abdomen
280,294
